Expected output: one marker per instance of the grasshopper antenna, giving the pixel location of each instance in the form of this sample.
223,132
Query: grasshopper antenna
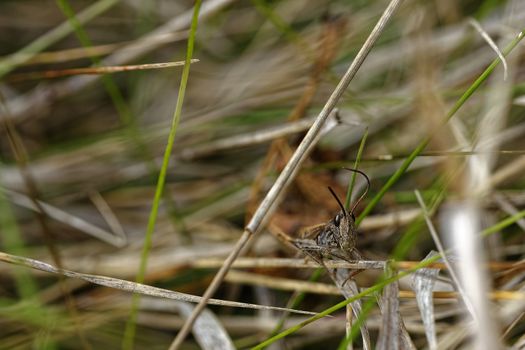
364,193
337,199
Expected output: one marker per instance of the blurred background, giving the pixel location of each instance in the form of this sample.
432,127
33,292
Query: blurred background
87,149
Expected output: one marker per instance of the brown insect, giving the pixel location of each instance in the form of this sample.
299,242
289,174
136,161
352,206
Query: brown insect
337,237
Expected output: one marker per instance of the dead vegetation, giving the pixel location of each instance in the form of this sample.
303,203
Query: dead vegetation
440,97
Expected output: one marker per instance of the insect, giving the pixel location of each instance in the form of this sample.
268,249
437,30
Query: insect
337,237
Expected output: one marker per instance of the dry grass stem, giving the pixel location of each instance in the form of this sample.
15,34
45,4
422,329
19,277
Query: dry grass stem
94,70
132,287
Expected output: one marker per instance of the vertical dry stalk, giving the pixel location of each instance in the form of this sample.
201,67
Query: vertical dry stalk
443,253
273,196
461,222
462,218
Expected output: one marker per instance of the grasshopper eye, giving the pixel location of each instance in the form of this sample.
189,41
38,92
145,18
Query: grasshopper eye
337,220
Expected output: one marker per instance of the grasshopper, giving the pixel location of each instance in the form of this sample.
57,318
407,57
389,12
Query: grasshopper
335,238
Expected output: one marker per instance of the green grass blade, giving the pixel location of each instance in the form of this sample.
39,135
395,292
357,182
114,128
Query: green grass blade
503,224
131,324
356,165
